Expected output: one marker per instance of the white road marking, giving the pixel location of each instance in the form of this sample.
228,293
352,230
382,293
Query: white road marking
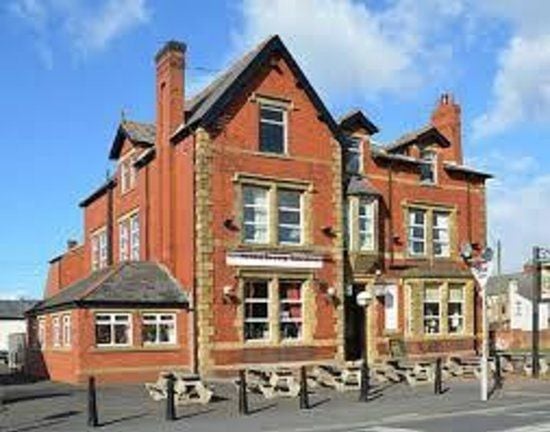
541,427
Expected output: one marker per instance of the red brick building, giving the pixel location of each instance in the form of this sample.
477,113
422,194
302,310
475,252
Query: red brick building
238,227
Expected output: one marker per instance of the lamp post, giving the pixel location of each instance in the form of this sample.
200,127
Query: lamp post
481,268
363,299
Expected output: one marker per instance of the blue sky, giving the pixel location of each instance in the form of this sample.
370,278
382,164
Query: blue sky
72,66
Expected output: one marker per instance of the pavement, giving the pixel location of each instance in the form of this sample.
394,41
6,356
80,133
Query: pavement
522,406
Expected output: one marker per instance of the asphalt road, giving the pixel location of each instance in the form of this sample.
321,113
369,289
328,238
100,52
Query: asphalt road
523,406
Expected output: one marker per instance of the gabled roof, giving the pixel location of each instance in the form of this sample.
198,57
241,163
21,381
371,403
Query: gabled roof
109,184
140,134
382,153
500,284
357,119
361,186
129,283
15,309
208,104
428,132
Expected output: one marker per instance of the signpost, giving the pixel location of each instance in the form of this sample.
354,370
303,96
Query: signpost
481,270
541,292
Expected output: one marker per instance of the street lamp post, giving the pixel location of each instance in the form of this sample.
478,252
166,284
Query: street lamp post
363,299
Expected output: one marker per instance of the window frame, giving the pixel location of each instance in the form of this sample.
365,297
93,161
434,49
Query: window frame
410,239
372,204
448,231
268,105
66,326
99,248
300,211
129,249
254,300
158,322
112,322
56,331
357,151
128,172
429,158
462,302
433,317
41,333
267,208
288,320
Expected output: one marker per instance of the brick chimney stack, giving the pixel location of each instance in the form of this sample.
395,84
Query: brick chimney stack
170,94
446,118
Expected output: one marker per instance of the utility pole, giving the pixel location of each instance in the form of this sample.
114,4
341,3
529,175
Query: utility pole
535,301
499,257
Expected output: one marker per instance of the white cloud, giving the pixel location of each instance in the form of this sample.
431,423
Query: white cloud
87,26
347,47
519,217
521,87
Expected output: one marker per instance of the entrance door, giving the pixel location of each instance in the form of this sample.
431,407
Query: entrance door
354,322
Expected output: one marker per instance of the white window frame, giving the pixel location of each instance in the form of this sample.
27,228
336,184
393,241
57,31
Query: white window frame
357,151
363,203
123,240
128,172
411,225
155,319
269,106
66,332
254,300
426,317
460,317
56,331
300,212
299,301
135,240
111,322
266,207
41,333
98,239
429,158
446,251
129,237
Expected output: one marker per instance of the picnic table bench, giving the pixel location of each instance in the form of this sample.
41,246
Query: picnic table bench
341,379
188,388
272,383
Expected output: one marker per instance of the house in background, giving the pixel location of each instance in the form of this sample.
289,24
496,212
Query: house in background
239,227
12,321
510,311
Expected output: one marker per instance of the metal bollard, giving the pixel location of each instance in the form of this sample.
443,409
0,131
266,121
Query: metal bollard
438,378
498,372
92,403
304,396
365,384
243,397
170,399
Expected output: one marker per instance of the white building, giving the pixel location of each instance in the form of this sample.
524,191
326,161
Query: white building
12,320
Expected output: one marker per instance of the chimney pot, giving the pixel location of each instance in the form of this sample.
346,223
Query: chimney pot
170,46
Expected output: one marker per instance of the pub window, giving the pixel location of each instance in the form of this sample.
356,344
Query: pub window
290,297
432,309
273,129
158,328
112,329
255,214
290,216
256,310
417,232
455,309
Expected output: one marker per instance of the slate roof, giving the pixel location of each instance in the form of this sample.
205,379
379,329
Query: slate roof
141,134
466,170
110,183
15,309
383,154
500,284
361,186
206,105
425,132
357,117
130,283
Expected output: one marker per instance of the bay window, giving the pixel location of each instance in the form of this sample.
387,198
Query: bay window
366,224
158,328
432,309
113,329
455,309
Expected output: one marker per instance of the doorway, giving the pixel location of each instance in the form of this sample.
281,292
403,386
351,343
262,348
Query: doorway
354,321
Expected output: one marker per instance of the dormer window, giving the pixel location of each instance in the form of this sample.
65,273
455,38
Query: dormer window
428,169
273,128
128,173
354,156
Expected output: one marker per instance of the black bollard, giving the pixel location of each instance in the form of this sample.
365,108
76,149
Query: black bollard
170,398
304,397
365,384
438,378
498,372
243,397
92,403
